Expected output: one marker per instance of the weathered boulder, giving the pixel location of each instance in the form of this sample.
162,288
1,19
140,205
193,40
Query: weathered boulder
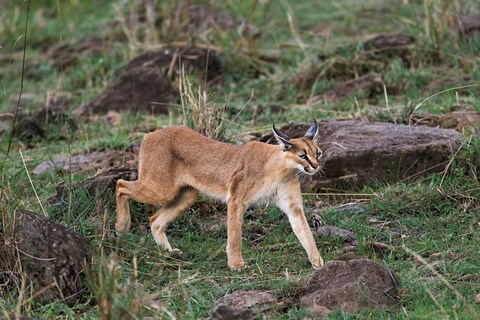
98,186
240,305
358,153
52,256
352,285
91,162
146,82
469,25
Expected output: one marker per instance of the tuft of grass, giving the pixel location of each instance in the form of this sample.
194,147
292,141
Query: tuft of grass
199,112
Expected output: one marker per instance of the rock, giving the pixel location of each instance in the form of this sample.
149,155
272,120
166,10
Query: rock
112,118
380,248
442,83
374,55
170,59
469,277
32,126
390,45
351,286
90,162
223,312
358,153
97,186
329,231
66,54
469,25
240,304
137,89
193,19
146,83
206,17
53,257
352,208
322,230
367,83
461,121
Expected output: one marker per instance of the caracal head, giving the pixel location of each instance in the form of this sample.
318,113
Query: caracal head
302,153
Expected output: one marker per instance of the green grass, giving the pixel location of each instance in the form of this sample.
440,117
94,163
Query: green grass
436,218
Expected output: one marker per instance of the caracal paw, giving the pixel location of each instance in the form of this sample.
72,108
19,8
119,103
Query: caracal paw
122,228
236,264
176,253
317,263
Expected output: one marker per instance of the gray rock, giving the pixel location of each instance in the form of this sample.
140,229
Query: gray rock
52,257
359,153
90,162
352,285
99,186
242,304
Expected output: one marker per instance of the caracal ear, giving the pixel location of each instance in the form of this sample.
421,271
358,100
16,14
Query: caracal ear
312,131
282,138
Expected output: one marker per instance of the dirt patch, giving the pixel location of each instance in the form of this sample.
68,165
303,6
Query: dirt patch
352,286
358,153
52,256
146,84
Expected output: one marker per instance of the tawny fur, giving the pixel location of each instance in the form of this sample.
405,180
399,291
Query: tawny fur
177,163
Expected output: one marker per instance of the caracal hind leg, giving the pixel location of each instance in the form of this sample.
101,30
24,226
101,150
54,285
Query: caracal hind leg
138,191
293,207
234,241
123,192
169,213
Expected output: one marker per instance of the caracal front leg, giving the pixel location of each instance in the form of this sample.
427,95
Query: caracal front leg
234,241
290,202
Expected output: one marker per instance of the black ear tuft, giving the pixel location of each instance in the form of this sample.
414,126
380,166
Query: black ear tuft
279,133
282,138
312,131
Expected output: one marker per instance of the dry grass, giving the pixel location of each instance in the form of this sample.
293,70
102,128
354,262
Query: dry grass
199,111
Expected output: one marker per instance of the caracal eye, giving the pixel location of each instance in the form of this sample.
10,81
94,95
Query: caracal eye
303,156
319,154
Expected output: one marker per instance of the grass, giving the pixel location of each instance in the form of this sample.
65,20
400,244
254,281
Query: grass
432,225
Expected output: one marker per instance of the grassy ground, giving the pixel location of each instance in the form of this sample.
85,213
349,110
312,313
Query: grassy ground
432,225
